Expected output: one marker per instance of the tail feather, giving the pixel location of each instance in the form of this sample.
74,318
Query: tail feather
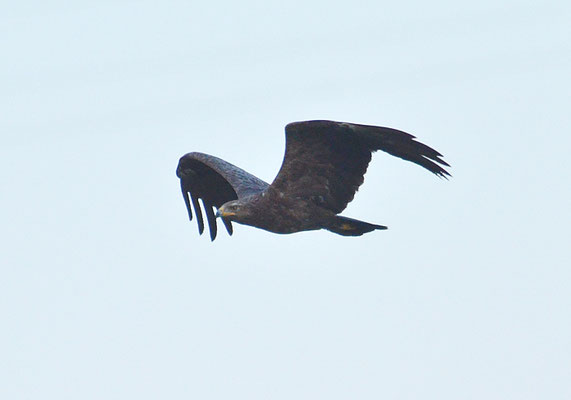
351,227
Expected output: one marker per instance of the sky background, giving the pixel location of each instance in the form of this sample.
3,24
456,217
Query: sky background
107,290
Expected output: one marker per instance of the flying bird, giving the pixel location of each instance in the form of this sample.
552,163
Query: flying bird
324,165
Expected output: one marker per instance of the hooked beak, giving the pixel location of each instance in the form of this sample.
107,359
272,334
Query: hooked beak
221,213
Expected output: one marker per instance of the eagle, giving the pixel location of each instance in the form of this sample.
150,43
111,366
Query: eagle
324,165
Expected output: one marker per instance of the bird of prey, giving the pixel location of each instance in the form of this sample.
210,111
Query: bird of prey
324,165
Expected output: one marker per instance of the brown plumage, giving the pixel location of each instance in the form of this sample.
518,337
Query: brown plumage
324,165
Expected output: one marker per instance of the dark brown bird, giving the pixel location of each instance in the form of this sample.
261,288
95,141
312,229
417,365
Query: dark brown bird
324,165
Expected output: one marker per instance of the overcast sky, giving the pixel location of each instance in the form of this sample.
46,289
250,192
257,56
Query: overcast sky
107,290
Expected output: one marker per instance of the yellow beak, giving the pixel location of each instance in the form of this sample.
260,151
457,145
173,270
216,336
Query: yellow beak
221,213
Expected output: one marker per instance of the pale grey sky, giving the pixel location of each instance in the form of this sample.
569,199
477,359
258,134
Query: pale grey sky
108,292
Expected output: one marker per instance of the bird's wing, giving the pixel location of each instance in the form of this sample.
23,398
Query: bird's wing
325,161
215,182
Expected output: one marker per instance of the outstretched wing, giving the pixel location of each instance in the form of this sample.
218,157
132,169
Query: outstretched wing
325,161
215,182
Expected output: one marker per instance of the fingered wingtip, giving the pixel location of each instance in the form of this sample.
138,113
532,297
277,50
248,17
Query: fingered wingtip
444,174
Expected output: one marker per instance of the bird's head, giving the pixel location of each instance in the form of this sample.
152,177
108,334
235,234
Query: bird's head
234,211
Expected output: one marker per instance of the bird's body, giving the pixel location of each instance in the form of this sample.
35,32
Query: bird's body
324,165
285,214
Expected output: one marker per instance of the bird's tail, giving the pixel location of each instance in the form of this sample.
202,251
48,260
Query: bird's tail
351,227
